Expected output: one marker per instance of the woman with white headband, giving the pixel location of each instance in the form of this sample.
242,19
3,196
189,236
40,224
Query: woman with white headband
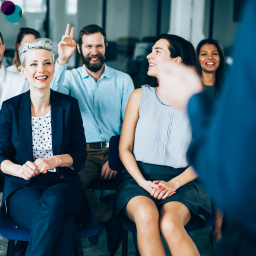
42,147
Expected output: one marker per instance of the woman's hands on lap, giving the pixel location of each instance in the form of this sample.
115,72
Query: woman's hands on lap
28,170
164,189
45,164
149,186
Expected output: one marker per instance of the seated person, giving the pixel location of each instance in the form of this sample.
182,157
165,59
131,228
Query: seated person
102,93
11,84
156,190
42,145
25,35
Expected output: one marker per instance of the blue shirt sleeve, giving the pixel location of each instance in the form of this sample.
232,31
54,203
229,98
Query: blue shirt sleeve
128,88
61,81
223,150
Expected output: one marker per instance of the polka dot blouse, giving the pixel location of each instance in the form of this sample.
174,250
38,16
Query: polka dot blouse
42,137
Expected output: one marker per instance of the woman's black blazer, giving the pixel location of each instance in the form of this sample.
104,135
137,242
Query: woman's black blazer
16,136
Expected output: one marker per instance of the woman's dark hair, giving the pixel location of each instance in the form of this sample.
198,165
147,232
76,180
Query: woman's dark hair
88,30
23,32
221,70
1,38
179,47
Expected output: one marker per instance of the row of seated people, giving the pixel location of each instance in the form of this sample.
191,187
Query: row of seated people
48,165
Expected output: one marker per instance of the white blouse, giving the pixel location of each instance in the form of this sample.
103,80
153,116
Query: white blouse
42,137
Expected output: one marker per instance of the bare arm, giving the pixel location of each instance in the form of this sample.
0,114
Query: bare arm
26,171
187,176
127,139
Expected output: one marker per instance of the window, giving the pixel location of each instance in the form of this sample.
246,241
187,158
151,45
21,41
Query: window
71,7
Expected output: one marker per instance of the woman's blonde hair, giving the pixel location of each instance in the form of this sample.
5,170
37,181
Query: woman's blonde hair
41,43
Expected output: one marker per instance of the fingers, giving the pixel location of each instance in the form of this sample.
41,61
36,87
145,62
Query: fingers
72,32
168,194
31,165
67,30
107,174
42,165
156,181
103,171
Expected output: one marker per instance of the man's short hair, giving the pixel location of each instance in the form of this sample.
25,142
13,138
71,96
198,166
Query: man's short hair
2,38
91,29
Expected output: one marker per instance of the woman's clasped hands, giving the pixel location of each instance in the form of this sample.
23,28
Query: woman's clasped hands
160,190
31,169
164,189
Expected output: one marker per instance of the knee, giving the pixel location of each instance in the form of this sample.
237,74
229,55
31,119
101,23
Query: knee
69,225
171,224
53,202
147,222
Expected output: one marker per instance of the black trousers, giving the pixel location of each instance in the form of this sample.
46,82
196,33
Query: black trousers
49,209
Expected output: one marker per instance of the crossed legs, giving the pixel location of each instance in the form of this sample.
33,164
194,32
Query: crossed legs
51,215
170,221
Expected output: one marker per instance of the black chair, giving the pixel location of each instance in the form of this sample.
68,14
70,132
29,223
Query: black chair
127,224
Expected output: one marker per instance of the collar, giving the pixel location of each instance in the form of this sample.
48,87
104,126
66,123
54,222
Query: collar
54,99
2,71
105,73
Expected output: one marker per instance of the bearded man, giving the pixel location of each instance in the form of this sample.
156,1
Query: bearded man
102,94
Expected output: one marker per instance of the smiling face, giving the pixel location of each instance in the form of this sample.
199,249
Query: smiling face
26,38
160,52
2,49
93,51
38,68
209,58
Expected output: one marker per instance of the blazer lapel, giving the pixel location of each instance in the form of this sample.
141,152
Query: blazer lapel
57,123
25,125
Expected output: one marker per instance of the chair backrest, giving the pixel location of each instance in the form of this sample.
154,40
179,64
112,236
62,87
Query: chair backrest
113,155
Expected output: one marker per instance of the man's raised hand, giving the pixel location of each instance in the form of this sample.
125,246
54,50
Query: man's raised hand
66,46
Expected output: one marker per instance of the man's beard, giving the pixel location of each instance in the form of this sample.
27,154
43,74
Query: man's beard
94,67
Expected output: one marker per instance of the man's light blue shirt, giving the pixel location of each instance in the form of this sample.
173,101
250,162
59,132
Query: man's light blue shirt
102,103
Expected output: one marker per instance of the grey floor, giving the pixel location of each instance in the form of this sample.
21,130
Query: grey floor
201,238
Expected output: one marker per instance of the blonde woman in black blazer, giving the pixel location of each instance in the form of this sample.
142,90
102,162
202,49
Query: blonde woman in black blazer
42,147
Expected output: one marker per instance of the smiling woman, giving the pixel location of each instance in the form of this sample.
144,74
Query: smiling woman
37,149
156,188
212,61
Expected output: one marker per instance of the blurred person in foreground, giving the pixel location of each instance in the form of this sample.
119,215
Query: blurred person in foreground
24,35
224,142
212,61
42,147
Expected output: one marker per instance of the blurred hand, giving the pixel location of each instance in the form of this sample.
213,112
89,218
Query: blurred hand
107,173
177,83
45,164
66,46
28,170
164,189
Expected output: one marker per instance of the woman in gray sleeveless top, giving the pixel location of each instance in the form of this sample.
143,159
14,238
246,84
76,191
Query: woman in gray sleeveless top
156,189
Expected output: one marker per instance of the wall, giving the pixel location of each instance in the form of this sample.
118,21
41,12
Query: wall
224,29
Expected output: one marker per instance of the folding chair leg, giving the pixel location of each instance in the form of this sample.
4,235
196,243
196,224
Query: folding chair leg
78,248
10,248
134,235
118,237
124,242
